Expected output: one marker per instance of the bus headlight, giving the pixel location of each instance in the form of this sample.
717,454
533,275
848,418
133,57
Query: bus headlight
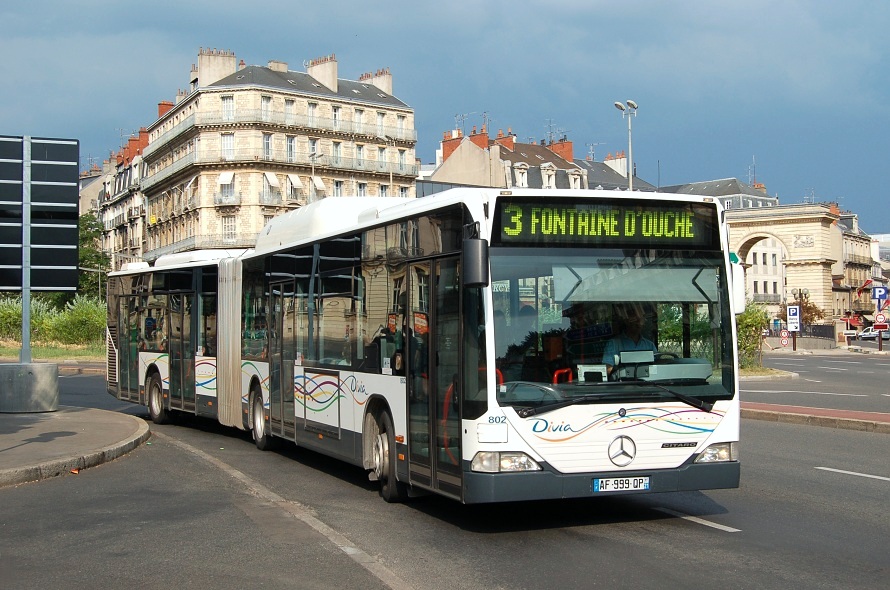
719,452
503,462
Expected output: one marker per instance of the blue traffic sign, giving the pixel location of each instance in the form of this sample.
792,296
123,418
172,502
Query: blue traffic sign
879,293
793,310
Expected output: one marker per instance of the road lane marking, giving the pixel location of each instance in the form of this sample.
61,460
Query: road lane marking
301,512
698,520
854,473
848,362
813,380
833,368
809,392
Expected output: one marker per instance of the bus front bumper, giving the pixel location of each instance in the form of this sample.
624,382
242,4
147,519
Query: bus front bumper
549,485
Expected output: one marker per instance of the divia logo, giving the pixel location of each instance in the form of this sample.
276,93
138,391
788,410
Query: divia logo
542,425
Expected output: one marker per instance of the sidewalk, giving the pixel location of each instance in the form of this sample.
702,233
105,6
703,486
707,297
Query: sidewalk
36,446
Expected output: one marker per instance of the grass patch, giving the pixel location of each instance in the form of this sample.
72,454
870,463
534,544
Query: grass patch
760,372
53,351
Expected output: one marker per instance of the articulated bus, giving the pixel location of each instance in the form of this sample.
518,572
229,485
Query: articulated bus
486,345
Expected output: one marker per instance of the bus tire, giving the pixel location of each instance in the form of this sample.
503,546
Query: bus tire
155,394
384,461
261,436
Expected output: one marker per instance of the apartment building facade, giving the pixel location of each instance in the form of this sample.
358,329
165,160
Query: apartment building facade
121,204
246,143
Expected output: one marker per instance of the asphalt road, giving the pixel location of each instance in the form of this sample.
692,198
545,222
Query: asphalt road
858,382
192,510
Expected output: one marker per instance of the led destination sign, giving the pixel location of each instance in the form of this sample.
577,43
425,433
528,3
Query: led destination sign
630,224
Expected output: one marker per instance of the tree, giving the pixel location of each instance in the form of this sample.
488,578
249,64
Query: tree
809,311
750,324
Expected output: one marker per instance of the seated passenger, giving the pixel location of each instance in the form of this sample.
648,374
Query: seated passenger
630,338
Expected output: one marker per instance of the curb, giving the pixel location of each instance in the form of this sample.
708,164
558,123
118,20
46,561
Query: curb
783,375
824,421
19,475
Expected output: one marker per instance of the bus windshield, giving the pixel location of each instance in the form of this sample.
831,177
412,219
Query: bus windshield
610,324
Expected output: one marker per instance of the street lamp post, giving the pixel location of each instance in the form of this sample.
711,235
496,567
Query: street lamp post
628,110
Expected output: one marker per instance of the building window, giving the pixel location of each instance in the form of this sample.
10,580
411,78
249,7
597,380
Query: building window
267,219
775,288
400,124
384,190
228,108
227,189
291,149
313,146
381,158
313,107
363,189
764,259
755,287
358,119
359,156
774,260
267,146
381,118
266,102
338,188
403,192
229,233
764,288
336,153
227,143
290,111
335,115
402,162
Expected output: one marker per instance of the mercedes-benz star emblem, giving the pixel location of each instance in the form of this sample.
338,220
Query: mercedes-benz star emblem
622,451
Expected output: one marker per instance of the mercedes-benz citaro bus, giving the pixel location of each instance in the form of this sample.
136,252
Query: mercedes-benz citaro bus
486,345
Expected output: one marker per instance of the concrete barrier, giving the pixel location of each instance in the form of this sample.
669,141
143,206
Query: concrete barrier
29,387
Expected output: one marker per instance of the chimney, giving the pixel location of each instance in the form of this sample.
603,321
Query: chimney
277,66
449,144
382,79
508,141
324,69
618,163
563,149
164,107
480,139
213,65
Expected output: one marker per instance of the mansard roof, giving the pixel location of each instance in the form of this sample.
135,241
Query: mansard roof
303,83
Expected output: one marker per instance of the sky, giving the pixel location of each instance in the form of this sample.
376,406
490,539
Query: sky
792,94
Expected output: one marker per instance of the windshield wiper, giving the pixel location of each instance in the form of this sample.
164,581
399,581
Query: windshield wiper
527,412
686,399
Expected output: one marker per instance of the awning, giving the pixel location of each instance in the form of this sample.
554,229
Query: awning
226,177
319,185
188,185
273,180
295,181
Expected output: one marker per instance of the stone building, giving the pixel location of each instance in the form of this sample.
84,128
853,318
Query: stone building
245,143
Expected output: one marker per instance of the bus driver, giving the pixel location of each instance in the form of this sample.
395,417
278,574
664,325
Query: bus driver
630,338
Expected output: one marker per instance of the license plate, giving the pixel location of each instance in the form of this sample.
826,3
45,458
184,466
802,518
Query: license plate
621,484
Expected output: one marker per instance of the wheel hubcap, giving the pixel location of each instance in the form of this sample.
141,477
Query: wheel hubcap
381,455
258,422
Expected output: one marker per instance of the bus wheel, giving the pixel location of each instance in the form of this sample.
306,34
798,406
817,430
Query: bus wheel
156,410
261,437
391,489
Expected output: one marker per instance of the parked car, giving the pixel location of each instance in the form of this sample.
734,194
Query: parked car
872,334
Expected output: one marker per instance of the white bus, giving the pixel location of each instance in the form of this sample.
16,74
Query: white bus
486,345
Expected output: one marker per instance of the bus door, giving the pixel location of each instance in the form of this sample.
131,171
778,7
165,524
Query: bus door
128,349
433,375
281,359
181,346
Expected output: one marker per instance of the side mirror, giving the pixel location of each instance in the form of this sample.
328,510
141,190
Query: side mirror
475,262
737,287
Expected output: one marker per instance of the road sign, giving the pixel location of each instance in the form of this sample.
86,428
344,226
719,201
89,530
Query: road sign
879,293
784,342
794,318
880,318
784,334
881,327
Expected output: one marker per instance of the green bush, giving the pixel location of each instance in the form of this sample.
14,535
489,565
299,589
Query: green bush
82,321
751,324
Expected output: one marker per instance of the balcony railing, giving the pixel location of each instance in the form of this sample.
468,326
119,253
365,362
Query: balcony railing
270,198
227,199
279,118
767,298
246,155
